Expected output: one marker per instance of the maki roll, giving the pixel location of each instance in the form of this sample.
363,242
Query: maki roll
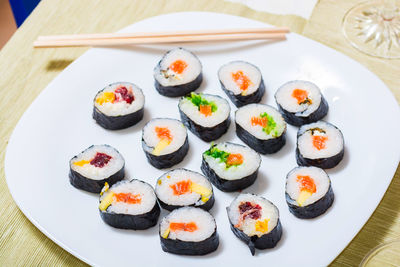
118,106
181,187
164,142
189,231
255,221
230,167
319,144
178,73
207,116
95,166
308,192
301,102
129,205
261,127
242,82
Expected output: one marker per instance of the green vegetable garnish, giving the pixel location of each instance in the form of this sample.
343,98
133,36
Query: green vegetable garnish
271,125
198,101
219,154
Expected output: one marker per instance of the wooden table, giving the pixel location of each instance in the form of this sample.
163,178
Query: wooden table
25,72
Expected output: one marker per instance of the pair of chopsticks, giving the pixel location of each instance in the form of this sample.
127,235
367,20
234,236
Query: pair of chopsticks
115,39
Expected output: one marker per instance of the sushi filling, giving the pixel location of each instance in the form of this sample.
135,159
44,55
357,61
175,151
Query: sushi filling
253,215
163,136
261,121
188,224
125,197
205,110
177,67
119,99
299,97
182,187
232,162
319,140
241,78
97,162
306,185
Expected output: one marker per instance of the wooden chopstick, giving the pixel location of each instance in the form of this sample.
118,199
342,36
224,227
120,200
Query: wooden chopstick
163,34
156,40
115,39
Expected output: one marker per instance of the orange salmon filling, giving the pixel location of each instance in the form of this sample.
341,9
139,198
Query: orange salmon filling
181,187
259,121
234,159
300,95
319,141
241,80
178,66
188,227
306,183
163,133
206,110
128,198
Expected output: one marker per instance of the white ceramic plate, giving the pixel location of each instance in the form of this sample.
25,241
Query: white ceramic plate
58,125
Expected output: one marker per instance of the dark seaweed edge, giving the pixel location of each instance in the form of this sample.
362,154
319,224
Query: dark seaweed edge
90,185
117,122
228,185
207,134
323,163
269,240
205,206
181,89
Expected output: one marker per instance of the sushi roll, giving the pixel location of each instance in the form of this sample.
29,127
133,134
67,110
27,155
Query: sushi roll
118,106
261,127
319,144
230,167
207,116
189,231
129,205
242,82
178,73
95,166
255,221
164,142
181,187
301,102
308,192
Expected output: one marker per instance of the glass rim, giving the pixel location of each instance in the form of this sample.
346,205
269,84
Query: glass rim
375,250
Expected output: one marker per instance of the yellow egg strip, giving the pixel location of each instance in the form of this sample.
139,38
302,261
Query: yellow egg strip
262,226
161,146
304,195
105,97
107,201
166,233
201,190
81,163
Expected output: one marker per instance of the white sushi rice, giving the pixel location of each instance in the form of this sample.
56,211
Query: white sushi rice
166,194
192,111
135,187
204,221
268,211
122,107
170,78
178,133
95,173
251,162
285,99
245,113
333,145
251,71
319,177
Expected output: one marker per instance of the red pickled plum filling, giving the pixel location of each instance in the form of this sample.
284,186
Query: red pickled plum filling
100,160
122,93
248,209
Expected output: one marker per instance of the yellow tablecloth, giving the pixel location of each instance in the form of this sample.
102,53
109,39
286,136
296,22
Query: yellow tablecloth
25,72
